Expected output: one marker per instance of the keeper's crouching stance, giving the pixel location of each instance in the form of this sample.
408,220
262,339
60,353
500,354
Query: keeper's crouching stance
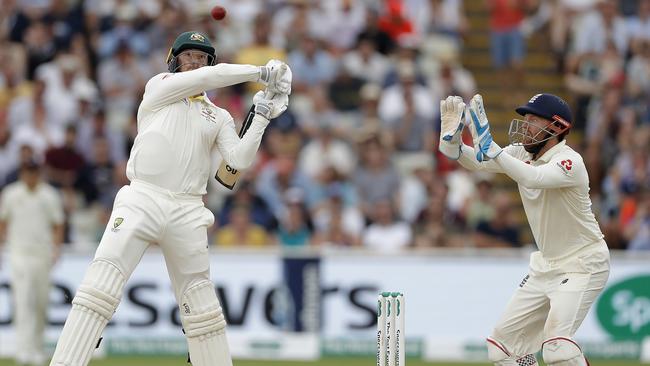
169,166
572,264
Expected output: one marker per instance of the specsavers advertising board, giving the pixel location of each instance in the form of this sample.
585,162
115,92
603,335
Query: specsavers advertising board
452,302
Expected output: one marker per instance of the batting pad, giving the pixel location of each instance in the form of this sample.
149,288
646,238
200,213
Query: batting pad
205,326
561,351
92,307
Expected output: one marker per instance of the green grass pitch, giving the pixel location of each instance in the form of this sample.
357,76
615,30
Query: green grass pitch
359,361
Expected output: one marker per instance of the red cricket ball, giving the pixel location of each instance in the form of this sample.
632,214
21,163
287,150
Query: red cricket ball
218,12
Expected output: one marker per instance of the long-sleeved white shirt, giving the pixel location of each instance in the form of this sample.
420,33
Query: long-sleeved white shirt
554,190
178,132
30,217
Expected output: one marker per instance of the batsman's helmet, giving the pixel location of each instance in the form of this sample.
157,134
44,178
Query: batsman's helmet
190,40
547,106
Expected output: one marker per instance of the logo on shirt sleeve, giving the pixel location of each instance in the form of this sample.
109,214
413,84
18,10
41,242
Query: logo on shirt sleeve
566,165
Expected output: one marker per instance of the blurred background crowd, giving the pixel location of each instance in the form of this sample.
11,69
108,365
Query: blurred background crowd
354,161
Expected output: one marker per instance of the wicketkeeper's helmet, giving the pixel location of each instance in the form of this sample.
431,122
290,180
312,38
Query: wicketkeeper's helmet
548,106
190,40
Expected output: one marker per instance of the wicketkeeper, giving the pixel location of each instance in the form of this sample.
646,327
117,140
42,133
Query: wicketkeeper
169,167
572,264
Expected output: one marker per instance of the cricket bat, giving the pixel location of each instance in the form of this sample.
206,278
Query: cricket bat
227,175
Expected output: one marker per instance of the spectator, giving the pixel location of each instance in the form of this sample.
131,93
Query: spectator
121,79
507,42
295,227
277,177
261,50
365,62
336,222
64,163
406,110
311,65
375,179
97,181
480,207
638,232
395,23
258,210
500,231
326,150
240,230
386,233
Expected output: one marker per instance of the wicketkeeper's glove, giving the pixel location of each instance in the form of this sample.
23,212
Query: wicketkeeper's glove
484,145
452,111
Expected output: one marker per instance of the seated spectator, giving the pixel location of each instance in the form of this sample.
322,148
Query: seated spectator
500,231
244,195
507,44
64,164
277,177
365,62
344,90
97,181
335,222
295,227
240,230
435,228
375,179
480,207
386,233
639,25
261,50
311,65
406,109
395,21
325,150
638,232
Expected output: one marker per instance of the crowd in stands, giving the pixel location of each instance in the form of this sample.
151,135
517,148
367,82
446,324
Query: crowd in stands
354,160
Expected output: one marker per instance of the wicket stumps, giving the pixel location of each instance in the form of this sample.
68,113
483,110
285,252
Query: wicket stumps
391,341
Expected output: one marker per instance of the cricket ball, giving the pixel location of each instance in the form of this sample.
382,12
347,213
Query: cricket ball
218,12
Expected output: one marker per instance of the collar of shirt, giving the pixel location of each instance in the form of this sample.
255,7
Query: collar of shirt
552,151
198,98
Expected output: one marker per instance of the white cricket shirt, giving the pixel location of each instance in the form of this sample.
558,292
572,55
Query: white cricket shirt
554,190
177,132
30,217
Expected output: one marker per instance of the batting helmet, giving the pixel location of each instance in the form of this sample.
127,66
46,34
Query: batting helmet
190,40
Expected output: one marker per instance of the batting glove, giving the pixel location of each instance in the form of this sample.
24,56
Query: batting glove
276,105
276,76
484,145
452,112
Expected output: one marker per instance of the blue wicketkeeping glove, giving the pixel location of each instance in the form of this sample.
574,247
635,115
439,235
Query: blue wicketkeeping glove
479,126
452,112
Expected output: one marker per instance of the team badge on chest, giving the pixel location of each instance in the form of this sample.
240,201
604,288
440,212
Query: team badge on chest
209,114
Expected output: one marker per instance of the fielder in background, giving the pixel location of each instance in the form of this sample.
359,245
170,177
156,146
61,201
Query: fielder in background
31,221
169,167
572,264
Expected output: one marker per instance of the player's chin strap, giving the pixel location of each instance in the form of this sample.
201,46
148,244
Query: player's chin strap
500,356
205,326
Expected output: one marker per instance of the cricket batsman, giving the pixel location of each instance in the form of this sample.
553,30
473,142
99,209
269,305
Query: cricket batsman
572,264
168,169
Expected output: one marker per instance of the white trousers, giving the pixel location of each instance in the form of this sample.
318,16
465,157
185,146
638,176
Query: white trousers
553,300
30,284
144,214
